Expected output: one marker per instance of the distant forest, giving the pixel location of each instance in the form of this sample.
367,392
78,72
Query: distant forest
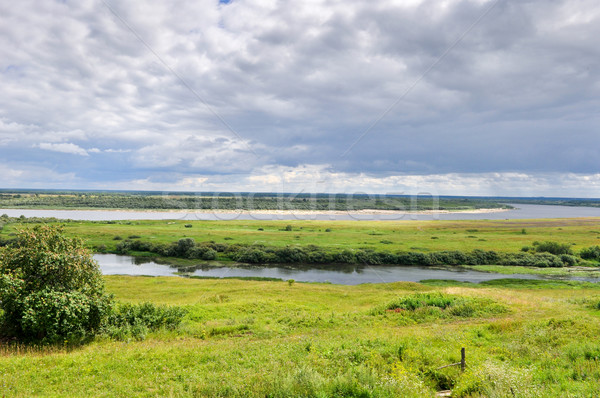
554,201
42,199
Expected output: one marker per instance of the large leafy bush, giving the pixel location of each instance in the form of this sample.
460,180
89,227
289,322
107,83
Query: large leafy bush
51,288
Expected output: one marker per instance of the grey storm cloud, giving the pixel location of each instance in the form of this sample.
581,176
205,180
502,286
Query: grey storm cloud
250,94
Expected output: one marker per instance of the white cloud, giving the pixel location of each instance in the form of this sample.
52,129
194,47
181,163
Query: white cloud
320,179
36,177
117,150
65,147
517,96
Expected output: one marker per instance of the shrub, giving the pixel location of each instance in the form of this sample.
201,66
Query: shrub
568,260
422,306
412,258
318,256
202,253
150,315
51,289
419,300
531,260
553,248
290,255
480,257
251,256
136,320
184,245
345,257
260,254
591,253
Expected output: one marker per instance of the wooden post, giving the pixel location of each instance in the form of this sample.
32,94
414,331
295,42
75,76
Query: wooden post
463,362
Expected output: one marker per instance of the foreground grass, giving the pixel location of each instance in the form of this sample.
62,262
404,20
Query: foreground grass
418,236
247,338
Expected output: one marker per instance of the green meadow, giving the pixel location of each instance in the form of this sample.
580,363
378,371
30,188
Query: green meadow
244,338
276,339
420,236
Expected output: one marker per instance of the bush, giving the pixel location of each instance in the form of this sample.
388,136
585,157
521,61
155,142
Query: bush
136,320
290,255
184,245
202,253
423,306
251,256
51,289
311,254
345,257
591,253
152,316
553,248
419,300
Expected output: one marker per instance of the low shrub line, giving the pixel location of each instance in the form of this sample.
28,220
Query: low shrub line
311,254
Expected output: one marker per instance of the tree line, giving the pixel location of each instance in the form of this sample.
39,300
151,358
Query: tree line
544,255
248,201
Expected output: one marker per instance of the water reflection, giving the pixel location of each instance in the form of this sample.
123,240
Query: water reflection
338,274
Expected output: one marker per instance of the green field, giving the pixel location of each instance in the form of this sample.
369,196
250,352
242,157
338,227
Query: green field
498,235
257,339
246,338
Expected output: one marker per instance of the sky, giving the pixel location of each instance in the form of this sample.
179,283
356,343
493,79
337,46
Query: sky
449,97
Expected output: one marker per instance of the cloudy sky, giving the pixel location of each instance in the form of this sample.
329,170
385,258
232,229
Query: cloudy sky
467,97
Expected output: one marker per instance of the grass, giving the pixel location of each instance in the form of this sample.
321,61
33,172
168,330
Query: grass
590,272
514,283
272,338
498,235
259,338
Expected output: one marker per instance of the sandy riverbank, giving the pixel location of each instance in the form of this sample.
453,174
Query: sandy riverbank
341,212
287,211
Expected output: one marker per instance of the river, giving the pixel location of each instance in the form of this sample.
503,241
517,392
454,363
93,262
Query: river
521,212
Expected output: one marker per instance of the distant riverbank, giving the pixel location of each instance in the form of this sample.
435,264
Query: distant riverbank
521,211
266,211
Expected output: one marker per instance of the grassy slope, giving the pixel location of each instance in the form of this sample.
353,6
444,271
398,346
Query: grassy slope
272,337
501,235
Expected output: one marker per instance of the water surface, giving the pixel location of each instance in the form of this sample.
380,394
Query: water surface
521,212
112,264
